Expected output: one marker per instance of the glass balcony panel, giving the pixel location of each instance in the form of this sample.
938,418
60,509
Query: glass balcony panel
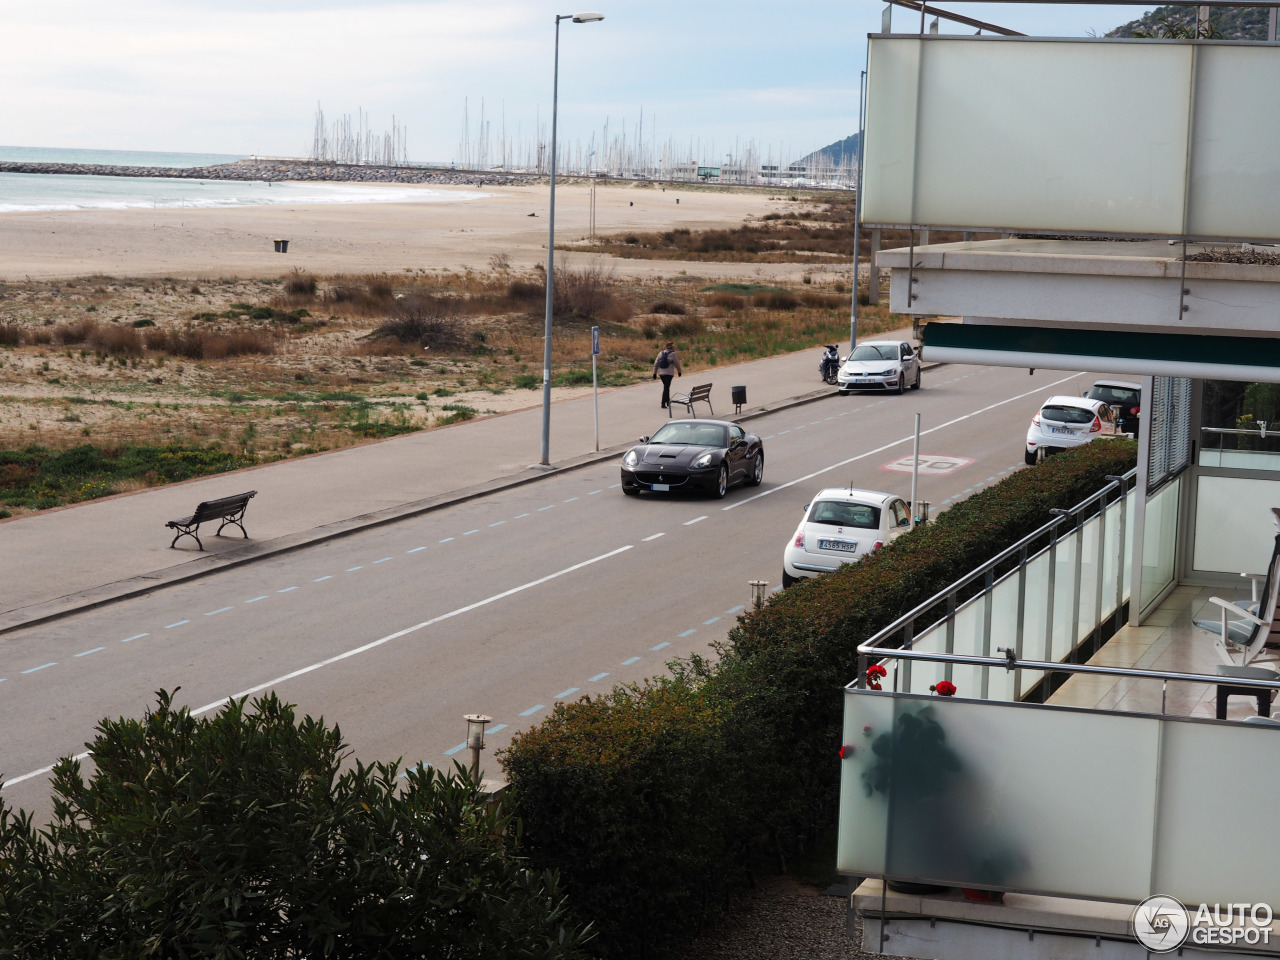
968,642
1004,633
1160,536
1130,525
864,813
1089,533
993,794
1211,848
1064,597
1234,528
924,673
1035,631
1110,558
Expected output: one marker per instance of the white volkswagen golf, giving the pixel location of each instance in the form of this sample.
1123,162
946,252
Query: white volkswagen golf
880,365
840,525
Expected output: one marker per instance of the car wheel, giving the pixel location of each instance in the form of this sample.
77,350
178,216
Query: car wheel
722,482
916,385
757,470
788,580
631,491
1030,458
902,382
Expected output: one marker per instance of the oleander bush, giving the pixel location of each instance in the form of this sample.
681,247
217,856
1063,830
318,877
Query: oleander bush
253,834
653,801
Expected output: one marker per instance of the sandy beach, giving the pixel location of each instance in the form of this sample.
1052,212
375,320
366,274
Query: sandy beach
370,238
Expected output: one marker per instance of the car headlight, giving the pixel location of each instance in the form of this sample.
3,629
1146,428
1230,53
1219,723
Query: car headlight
631,459
704,460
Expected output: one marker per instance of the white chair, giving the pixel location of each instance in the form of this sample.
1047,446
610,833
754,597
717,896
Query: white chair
1243,641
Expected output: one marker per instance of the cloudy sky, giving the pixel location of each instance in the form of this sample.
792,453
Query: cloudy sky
244,76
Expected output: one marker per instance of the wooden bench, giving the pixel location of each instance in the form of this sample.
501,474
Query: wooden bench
700,393
226,509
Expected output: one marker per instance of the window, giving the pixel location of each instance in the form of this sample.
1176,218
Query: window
736,433
1060,414
838,514
900,515
874,351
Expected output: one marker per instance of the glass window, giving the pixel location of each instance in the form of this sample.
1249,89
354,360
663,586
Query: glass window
840,514
736,433
874,351
1060,414
684,433
900,516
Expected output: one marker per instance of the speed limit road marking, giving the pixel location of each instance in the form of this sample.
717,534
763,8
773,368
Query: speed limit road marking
931,464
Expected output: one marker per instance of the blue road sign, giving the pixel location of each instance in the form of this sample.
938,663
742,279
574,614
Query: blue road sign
595,341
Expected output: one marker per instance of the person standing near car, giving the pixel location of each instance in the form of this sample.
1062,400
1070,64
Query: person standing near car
665,367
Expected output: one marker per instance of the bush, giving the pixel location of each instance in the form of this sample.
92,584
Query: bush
669,307
300,284
776,300
726,301
144,322
255,836
582,291
202,345
649,800
522,290
423,321
683,327
10,335
116,341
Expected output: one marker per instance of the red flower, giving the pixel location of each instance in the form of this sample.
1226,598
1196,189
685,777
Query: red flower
846,752
944,688
876,670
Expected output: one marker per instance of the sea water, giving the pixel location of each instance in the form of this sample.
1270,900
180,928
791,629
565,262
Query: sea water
52,191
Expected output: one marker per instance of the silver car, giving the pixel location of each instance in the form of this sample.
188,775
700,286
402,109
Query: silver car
880,365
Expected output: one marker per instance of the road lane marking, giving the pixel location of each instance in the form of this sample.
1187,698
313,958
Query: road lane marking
497,726
690,523
654,537
383,560
363,648
354,569
470,532
41,771
136,636
256,599
894,443
219,610
87,652
498,524
566,693
321,579
178,624
612,485
550,506
520,517
446,539
707,623
532,710
598,676
733,610
594,492
287,590
416,550
628,662
452,750
571,499
688,633
664,643
41,667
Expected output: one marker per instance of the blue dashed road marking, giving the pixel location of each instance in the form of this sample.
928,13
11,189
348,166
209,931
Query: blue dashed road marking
521,517
628,662
566,693
497,726
287,590
733,610
416,550
254,600
498,524
170,626
707,623
136,636
612,485
664,643
321,579
383,560
550,506
354,569
452,750
41,667
470,532
446,539
532,710
688,633
87,652
598,676
592,493
571,499
219,610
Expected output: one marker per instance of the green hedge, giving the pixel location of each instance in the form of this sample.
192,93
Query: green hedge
650,800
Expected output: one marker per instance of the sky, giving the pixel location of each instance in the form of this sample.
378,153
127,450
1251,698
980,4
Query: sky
245,76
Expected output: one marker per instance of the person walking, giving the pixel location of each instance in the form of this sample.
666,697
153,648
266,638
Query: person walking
665,367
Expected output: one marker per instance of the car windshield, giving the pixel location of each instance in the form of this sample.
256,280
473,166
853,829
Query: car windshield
875,351
1116,396
838,514
691,434
1067,414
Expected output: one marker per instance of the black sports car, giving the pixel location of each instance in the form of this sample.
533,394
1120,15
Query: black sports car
706,455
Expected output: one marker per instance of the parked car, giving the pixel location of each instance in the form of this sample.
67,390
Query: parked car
1124,397
705,455
880,365
1064,422
840,525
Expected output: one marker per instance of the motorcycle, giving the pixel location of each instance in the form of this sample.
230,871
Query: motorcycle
829,366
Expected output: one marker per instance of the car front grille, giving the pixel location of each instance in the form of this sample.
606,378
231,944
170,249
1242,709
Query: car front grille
670,480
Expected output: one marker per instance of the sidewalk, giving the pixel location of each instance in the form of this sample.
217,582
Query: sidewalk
67,559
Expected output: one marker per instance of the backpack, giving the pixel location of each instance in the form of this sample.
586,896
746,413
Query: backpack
664,359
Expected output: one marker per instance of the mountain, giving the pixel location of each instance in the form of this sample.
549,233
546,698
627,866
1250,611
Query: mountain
834,154
1225,23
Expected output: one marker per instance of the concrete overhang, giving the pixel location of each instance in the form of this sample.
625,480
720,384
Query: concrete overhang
1113,284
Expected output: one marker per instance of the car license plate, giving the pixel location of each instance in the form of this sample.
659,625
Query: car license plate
660,486
846,546
1066,431
863,380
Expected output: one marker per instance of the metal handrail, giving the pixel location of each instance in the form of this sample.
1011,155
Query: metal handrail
951,590
1009,663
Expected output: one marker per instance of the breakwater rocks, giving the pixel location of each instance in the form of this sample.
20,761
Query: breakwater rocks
278,170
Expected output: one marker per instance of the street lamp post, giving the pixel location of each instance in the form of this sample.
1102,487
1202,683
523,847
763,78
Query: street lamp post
551,238
476,722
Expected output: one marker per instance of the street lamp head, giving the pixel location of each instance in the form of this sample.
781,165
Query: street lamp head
587,17
476,723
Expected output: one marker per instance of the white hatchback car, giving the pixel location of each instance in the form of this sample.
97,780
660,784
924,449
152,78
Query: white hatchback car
880,365
839,526
1064,422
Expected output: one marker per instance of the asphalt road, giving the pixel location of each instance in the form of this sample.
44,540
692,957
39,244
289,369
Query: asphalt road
502,605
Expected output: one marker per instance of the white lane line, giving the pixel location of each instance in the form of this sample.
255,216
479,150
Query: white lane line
895,443
354,569
549,506
470,532
654,537
136,636
87,652
287,590
408,630
446,539
416,550
170,626
41,667
384,560
520,517
41,771
690,523
322,579
498,523
612,485
594,492
256,599
215,612
571,499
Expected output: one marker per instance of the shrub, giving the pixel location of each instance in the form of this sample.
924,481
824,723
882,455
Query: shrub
116,341
528,381
77,331
582,291
423,321
573,378
668,307
522,290
776,300
726,301
300,284
203,345
144,322
649,799
256,836
683,327
261,313
10,335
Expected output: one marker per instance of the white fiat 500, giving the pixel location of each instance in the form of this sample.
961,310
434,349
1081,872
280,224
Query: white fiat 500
880,365
839,526
1064,422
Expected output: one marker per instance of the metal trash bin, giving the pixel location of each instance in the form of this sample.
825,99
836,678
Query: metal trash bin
739,396
282,246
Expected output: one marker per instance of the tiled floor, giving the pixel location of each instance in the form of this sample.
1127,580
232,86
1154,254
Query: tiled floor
1167,640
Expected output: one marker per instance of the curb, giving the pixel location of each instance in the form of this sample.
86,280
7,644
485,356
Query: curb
145,583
